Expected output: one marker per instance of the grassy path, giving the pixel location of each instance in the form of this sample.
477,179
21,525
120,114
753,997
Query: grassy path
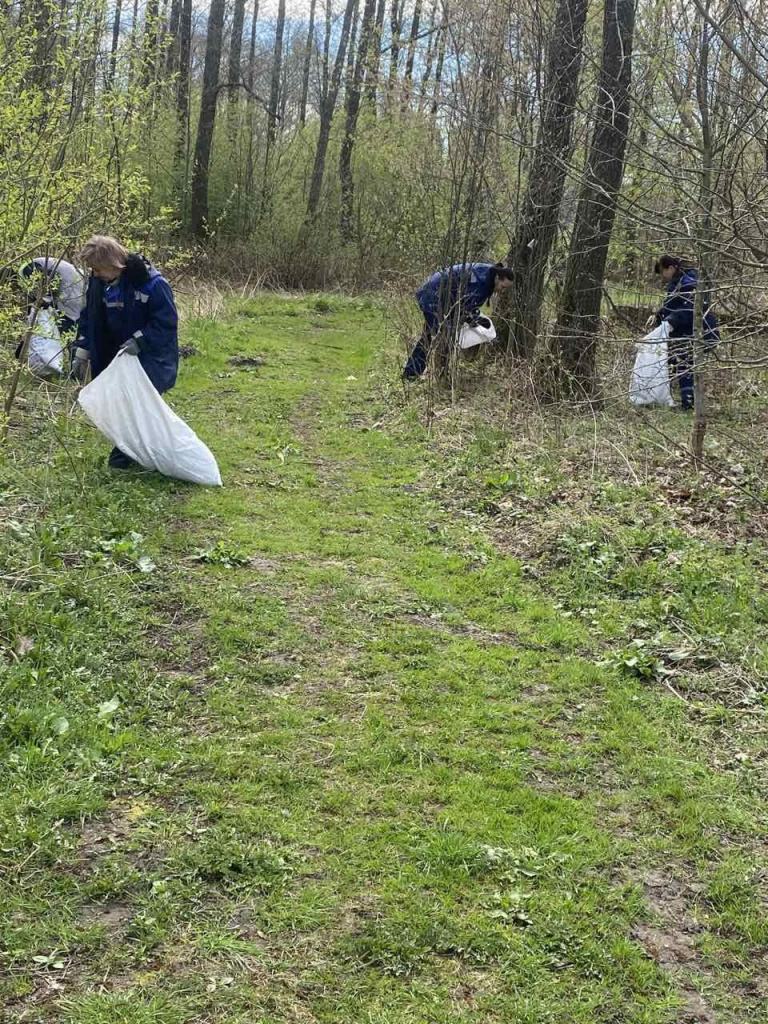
335,758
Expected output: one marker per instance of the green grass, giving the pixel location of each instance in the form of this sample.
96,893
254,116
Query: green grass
386,733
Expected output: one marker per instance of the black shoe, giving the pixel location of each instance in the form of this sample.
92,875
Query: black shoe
119,460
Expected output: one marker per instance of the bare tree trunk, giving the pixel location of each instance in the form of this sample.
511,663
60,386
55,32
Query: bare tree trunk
537,226
115,44
172,55
415,23
578,324
396,27
704,234
431,53
354,92
374,58
207,122
182,94
351,48
310,49
439,69
277,67
235,71
250,166
326,115
149,56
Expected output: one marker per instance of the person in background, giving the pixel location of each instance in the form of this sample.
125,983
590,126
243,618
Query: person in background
65,286
129,310
681,282
451,297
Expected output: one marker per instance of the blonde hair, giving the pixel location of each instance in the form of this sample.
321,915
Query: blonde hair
104,251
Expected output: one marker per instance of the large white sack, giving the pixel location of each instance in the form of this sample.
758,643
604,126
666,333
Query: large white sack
649,383
45,354
125,407
476,335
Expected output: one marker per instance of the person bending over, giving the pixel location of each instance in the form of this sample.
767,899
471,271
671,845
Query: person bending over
129,309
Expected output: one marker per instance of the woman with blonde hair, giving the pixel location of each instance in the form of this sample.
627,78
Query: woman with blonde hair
129,310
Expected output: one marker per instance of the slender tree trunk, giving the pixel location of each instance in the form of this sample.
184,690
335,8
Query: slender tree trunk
182,94
579,319
431,49
115,44
439,70
537,226
351,48
235,70
207,121
395,27
172,54
326,115
354,92
250,166
374,59
149,56
277,68
310,49
415,23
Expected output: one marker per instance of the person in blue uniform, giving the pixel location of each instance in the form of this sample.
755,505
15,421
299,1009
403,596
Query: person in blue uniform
681,282
451,297
129,310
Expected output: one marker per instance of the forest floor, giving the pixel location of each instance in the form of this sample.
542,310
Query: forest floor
403,724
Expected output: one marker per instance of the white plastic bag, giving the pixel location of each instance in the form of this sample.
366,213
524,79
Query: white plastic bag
649,383
45,354
125,407
477,335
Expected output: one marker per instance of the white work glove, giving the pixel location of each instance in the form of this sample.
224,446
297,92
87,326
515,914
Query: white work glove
79,368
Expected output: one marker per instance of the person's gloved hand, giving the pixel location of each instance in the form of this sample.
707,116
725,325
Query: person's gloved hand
482,321
79,367
650,323
130,348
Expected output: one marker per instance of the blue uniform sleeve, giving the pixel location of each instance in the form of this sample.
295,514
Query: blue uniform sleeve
678,308
159,336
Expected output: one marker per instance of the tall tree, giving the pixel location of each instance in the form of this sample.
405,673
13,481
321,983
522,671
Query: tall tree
415,23
374,57
172,53
537,226
277,70
354,92
115,43
207,120
235,71
439,69
182,91
332,82
251,118
308,53
579,319
395,28
149,55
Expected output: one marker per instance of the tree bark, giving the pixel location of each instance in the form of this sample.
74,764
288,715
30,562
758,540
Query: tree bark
149,56
251,119
182,91
277,70
310,49
235,69
374,58
172,56
207,121
395,26
115,43
415,23
578,323
327,109
439,70
537,226
354,93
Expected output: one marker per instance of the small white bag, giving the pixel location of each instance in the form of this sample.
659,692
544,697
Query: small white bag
477,335
649,383
45,354
127,409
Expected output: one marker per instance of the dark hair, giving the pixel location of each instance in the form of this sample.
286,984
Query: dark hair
503,273
666,261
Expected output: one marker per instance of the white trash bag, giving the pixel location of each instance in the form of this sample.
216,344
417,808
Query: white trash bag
45,354
477,335
125,407
649,383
